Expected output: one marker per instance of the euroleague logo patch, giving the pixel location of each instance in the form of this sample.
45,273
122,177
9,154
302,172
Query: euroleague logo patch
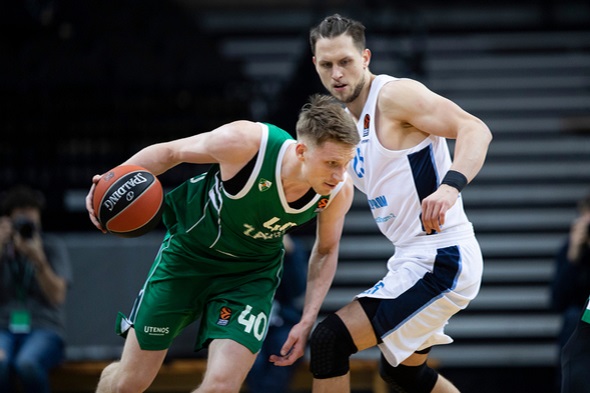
224,316
366,124
322,203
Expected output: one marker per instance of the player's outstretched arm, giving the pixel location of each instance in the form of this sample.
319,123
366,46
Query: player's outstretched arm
322,268
231,145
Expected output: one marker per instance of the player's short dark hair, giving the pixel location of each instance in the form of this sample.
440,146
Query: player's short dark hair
336,25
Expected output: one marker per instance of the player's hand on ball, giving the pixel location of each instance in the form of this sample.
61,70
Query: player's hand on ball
90,204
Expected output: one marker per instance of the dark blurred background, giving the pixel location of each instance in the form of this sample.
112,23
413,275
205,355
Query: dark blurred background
85,84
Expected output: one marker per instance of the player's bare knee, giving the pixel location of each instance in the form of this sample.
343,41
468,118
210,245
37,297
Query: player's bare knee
116,381
408,379
107,378
331,346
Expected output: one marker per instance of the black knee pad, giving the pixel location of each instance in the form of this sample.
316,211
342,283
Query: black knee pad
331,346
408,379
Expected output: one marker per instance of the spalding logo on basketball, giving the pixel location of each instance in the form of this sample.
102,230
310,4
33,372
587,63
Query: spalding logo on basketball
128,201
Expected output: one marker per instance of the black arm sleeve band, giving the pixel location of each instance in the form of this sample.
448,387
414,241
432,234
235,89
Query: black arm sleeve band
455,179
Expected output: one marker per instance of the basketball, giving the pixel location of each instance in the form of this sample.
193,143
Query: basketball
128,201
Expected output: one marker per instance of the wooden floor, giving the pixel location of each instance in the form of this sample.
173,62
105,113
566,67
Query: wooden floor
185,375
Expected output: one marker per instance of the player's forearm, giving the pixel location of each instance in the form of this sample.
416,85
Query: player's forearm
471,149
156,158
322,269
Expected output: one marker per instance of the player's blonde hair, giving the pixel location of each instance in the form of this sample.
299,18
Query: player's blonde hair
322,119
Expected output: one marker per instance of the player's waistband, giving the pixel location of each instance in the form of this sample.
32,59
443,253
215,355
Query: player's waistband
448,237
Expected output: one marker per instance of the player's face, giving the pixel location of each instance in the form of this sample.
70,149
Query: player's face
341,67
325,165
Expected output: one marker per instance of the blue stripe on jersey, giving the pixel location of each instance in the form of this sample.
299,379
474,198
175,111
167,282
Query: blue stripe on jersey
423,170
392,313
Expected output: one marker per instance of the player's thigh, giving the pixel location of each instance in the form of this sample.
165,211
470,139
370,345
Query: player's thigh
358,324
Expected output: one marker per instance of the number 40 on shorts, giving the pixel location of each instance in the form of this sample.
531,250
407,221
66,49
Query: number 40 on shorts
253,324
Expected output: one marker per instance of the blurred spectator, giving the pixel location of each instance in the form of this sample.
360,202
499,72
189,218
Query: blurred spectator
571,283
35,272
265,377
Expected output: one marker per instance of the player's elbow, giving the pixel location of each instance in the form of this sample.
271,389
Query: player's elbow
486,133
325,251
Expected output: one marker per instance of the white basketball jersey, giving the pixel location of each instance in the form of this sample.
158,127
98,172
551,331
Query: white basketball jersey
396,181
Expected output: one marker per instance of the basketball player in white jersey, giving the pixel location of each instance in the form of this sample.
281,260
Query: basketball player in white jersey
404,167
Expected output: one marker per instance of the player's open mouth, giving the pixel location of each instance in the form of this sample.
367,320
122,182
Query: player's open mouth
339,87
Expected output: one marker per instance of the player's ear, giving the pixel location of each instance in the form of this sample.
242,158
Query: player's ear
313,59
300,149
366,57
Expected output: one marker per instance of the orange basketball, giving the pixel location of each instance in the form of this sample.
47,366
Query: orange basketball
128,201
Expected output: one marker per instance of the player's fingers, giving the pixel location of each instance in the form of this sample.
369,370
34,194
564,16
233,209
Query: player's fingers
290,352
283,361
441,218
427,216
90,204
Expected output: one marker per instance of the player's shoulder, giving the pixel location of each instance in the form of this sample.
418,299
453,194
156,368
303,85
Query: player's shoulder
401,93
241,130
244,126
399,86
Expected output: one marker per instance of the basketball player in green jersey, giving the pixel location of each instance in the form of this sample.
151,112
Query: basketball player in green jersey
221,257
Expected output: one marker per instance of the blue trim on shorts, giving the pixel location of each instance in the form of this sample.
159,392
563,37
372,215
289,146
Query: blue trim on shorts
392,313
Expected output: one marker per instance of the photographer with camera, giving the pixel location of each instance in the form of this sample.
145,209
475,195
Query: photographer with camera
35,272
571,282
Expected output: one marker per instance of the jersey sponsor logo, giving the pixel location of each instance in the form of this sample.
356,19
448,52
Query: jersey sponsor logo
156,330
322,203
379,202
379,220
224,316
264,184
366,124
272,229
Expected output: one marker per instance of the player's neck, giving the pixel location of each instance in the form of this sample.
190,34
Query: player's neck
356,107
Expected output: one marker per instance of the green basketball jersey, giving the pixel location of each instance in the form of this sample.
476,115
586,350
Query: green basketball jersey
248,226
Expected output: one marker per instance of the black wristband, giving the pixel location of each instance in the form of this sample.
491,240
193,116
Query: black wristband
455,179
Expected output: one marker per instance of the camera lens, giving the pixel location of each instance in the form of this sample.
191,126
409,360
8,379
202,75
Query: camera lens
24,227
